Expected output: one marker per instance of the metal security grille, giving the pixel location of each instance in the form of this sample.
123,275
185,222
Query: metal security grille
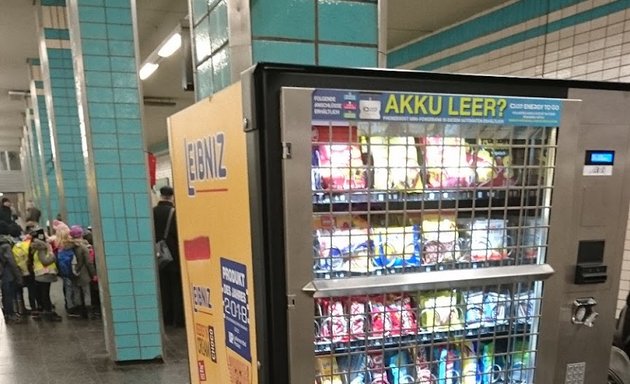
419,231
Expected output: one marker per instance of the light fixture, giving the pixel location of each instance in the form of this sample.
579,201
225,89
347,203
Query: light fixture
147,70
171,45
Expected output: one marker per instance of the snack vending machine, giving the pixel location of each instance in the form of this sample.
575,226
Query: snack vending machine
428,228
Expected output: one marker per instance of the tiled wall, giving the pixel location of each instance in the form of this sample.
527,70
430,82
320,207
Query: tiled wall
57,67
316,32
116,163
40,115
211,55
34,159
581,40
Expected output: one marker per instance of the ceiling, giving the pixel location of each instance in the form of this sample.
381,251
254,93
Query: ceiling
156,20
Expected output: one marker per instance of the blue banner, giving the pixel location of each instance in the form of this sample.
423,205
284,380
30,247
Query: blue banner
236,307
339,105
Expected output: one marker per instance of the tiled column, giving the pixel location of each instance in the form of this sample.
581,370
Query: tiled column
104,50
63,117
50,204
33,158
229,36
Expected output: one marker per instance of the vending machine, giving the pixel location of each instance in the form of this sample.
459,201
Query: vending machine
408,227
429,228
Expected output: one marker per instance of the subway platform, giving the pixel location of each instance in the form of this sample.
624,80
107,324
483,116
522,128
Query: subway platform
73,352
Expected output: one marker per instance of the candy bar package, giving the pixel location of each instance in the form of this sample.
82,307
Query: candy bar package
327,370
333,323
399,367
424,373
401,316
380,318
397,247
493,161
447,163
377,368
354,368
440,241
336,160
395,163
358,319
343,250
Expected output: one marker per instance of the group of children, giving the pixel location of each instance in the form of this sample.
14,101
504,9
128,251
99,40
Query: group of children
34,260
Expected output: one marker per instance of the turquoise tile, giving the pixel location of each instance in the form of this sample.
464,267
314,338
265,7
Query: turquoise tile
120,289
148,327
135,173
347,56
118,202
126,95
119,16
127,354
119,260
143,268
100,95
150,353
125,80
119,249
124,302
221,75
123,64
101,110
199,9
127,110
121,48
129,125
126,341
106,157
147,314
91,14
118,275
104,140
130,204
150,340
201,36
103,125
108,171
94,47
203,80
144,288
122,315
348,21
93,31
98,79
118,3
283,52
143,274
135,186
218,26
119,32
283,18
147,301
121,233
132,156
132,229
92,2
125,328
131,142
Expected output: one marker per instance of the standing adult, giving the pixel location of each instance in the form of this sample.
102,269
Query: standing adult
6,214
170,274
33,215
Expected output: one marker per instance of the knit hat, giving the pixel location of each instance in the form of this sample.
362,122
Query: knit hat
76,232
58,224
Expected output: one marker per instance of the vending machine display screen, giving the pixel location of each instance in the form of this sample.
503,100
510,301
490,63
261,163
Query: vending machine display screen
600,158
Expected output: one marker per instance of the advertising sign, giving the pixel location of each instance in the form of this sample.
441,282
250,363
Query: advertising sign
336,105
208,155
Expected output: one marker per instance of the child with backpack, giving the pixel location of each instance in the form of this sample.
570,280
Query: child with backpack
41,263
10,275
76,270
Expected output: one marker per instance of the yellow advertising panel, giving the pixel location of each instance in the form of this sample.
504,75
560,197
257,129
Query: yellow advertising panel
208,155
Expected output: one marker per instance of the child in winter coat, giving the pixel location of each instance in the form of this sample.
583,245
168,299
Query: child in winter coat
10,275
42,264
82,272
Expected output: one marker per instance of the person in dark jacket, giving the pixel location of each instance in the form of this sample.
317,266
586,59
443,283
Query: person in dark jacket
10,274
170,275
6,214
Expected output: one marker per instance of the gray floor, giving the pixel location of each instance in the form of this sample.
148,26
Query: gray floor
73,352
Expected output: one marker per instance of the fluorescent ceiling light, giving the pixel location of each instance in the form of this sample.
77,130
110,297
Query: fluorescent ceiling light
147,70
172,45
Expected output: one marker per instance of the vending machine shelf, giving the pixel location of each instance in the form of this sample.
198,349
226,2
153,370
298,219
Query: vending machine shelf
372,201
424,338
446,279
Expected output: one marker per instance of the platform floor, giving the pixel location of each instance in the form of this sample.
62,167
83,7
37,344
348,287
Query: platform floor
73,352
